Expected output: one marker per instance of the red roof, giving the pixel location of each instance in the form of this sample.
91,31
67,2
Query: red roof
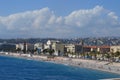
104,46
90,46
96,46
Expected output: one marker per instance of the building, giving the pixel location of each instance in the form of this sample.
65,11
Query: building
115,49
19,46
57,46
30,47
73,48
25,47
49,44
101,49
39,47
89,48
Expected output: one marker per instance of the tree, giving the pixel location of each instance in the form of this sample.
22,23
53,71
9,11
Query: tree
117,54
31,51
18,49
51,51
107,56
93,54
35,49
45,51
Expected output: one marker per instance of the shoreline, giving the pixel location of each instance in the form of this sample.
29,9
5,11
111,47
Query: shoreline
82,63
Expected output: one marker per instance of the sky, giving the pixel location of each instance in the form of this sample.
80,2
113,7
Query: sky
59,18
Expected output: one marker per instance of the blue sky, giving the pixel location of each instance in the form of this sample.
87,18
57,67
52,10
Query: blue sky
61,7
67,18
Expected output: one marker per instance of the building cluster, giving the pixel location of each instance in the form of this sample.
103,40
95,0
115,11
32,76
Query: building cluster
59,48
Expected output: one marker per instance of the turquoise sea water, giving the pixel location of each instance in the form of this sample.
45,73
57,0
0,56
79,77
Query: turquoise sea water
21,69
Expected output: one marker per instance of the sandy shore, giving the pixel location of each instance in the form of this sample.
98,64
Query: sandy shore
92,64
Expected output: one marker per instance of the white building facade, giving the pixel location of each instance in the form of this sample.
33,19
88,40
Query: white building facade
115,49
57,46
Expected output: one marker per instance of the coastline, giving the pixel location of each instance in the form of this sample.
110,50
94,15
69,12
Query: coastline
91,64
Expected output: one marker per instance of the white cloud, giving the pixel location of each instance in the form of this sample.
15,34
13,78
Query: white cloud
44,23
83,17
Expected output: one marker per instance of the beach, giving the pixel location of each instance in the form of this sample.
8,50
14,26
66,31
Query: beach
92,64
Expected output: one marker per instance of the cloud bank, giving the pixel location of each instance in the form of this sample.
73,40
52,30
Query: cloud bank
45,23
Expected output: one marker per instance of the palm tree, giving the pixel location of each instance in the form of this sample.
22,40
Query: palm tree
98,54
117,54
82,55
51,51
107,56
45,51
18,50
93,54
112,56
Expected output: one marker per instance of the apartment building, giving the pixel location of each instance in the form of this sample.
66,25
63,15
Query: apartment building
73,48
56,45
38,47
101,49
115,49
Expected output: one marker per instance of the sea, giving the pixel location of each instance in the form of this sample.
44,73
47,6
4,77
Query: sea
25,69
